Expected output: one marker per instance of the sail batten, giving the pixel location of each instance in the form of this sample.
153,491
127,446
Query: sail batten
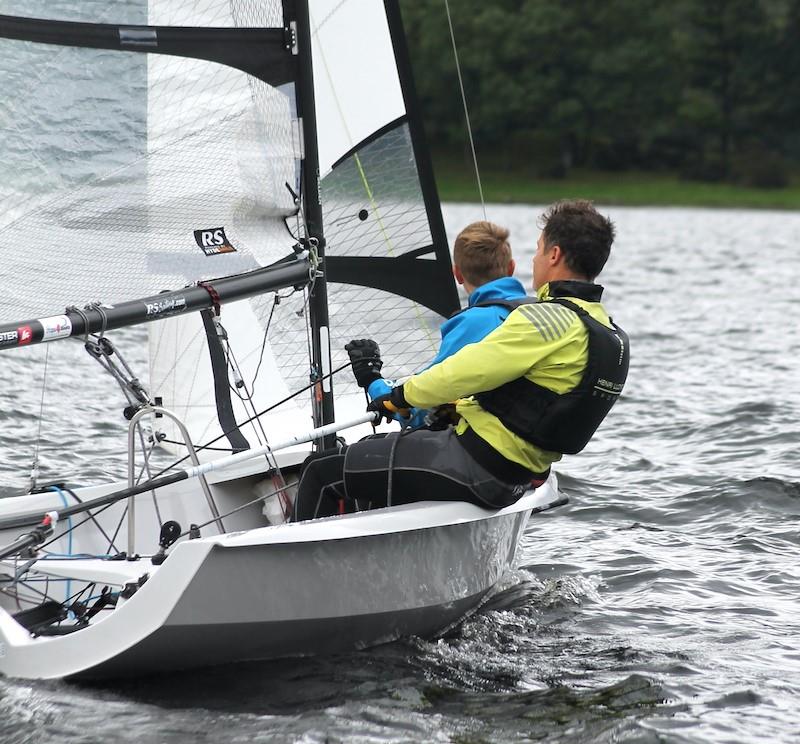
263,52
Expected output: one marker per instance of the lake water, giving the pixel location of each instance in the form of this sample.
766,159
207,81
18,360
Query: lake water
661,605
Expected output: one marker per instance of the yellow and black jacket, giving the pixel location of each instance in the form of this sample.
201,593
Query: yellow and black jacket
537,378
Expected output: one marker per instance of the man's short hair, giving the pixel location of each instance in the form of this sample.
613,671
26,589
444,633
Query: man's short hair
582,232
482,252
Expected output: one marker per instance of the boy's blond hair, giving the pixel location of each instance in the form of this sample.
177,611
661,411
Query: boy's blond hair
482,252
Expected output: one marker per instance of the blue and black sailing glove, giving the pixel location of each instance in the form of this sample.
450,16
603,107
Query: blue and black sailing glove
365,356
390,404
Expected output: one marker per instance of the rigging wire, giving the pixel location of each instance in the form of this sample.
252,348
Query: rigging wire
261,413
146,453
280,490
269,456
97,524
241,384
92,517
247,398
35,463
102,349
276,301
208,447
466,108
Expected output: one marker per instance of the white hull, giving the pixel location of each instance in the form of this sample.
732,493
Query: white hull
311,587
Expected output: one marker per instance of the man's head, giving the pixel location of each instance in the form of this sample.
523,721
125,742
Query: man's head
481,253
575,242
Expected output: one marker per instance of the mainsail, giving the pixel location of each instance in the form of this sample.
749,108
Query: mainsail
147,171
120,197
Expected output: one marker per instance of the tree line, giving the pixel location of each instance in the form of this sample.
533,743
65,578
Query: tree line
705,88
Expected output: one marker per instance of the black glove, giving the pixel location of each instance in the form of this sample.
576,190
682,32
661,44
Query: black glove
365,356
442,417
390,404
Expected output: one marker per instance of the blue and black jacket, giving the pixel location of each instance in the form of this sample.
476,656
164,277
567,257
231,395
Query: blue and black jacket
469,326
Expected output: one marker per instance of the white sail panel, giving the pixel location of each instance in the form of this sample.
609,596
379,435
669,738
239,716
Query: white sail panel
126,174
357,92
219,13
374,210
258,124
181,374
356,85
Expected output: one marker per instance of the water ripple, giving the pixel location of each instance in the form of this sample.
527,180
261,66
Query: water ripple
660,605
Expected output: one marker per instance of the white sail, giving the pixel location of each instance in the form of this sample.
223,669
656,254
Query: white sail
356,85
160,164
372,207
258,123
187,169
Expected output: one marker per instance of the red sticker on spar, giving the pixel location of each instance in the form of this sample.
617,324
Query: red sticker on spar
24,335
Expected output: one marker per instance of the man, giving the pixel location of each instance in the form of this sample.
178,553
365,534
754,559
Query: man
483,265
536,387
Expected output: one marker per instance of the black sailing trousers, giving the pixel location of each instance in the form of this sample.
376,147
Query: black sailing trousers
399,468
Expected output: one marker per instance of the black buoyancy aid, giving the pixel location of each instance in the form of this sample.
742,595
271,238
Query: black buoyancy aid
565,422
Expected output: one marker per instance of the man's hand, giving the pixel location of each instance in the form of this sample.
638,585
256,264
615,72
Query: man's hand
365,356
390,404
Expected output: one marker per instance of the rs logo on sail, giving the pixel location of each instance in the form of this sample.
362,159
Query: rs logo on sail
213,241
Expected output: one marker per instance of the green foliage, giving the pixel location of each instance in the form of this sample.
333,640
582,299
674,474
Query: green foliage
758,168
690,86
457,183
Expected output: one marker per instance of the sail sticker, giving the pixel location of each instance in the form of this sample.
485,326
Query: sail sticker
166,306
57,326
9,338
213,241
24,335
16,336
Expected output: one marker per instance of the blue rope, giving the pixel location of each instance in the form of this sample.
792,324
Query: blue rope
72,556
64,501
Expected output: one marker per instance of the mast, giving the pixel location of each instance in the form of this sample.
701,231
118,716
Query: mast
422,154
312,210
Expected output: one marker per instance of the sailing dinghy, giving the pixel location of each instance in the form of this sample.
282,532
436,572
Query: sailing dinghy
248,178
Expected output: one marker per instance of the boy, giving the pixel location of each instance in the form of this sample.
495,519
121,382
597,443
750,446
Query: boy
483,265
